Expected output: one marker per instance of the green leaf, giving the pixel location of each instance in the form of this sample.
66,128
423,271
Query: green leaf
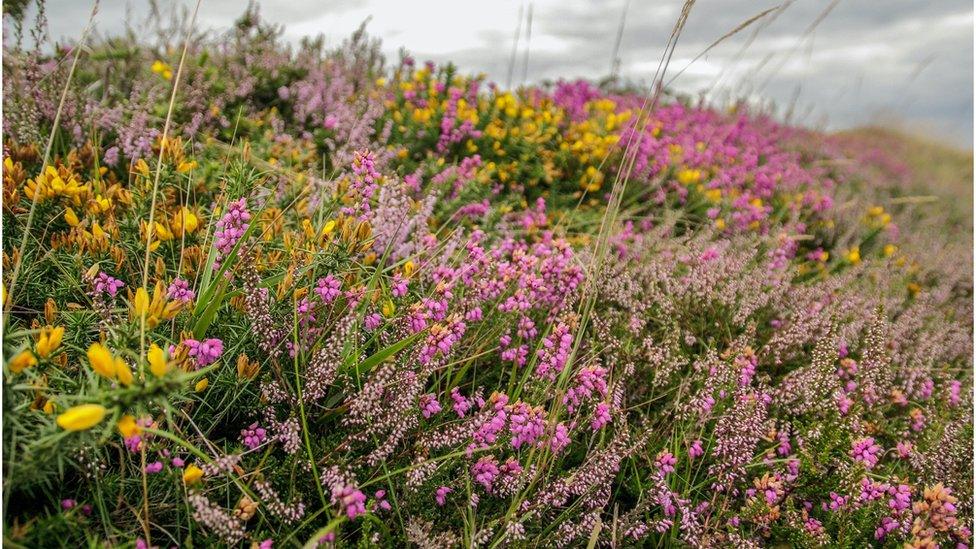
386,353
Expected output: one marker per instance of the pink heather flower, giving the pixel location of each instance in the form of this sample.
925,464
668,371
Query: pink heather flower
696,449
526,424
904,448
381,502
230,228
328,289
350,499
154,467
872,490
253,436
473,315
955,390
133,443
844,405
484,471
266,544
784,447
67,504
928,386
560,438
441,495
177,462
106,284
373,321
866,451
205,352
429,405
836,502
398,288
601,416
665,462
179,290
887,526
813,526
111,156
918,419
461,404
901,497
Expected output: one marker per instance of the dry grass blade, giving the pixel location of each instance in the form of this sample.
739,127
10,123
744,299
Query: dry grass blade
739,28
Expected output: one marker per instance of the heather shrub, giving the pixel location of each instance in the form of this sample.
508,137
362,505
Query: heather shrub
328,299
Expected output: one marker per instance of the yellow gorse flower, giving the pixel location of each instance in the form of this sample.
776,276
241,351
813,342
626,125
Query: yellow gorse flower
101,360
21,361
70,217
49,340
123,372
184,220
51,183
156,309
128,427
162,69
158,364
192,474
82,417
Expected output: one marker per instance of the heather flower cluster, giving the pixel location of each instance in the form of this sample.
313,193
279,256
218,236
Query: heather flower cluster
381,303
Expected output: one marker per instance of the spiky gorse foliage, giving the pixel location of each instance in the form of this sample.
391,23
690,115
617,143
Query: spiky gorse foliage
378,310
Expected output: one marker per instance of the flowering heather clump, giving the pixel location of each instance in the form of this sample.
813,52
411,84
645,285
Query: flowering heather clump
391,304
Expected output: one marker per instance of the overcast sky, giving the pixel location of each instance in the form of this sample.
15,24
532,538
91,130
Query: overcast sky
903,61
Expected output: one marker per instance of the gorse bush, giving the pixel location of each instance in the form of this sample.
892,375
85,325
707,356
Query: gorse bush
324,300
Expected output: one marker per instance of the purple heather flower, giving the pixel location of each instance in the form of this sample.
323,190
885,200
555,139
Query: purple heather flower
665,462
328,288
253,436
351,500
601,416
205,352
373,321
106,284
154,467
866,451
441,495
381,502
179,290
429,405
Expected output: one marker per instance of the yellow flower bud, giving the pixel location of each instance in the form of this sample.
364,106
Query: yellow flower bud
101,360
70,217
157,361
49,407
49,340
82,417
330,226
201,385
122,372
128,427
192,474
141,302
21,361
